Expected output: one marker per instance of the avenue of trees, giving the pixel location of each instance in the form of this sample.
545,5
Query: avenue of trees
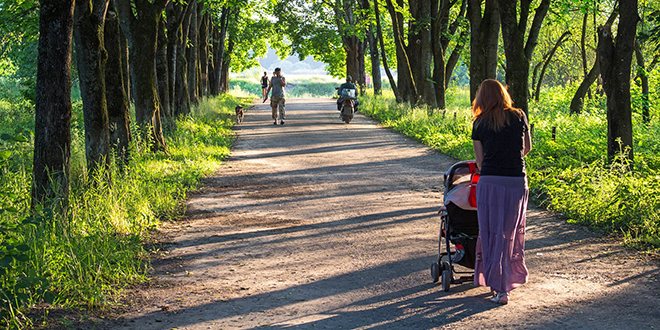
163,56
140,66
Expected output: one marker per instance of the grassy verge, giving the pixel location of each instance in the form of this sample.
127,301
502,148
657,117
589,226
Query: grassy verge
79,258
567,174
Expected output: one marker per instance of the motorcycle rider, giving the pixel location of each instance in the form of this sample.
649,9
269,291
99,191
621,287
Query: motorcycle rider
347,85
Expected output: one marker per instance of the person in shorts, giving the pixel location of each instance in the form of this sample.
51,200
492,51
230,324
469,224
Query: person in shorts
277,102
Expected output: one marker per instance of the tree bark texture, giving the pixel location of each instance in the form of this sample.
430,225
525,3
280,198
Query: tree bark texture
204,55
142,35
484,35
162,73
615,56
518,51
420,50
125,68
118,115
191,54
219,51
375,62
52,132
89,21
224,76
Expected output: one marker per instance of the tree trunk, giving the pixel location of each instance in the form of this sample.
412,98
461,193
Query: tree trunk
52,131
89,20
118,116
142,35
191,54
219,51
644,82
615,57
379,31
224,77
204,55
421,51
125,68
484,35
406,81
578,99
375,62
182,100
518,52
162,73
559,42
583,46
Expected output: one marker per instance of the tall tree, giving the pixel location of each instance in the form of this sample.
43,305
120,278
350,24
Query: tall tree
484,35
383,54
518,51
204,55
89,22
219,36
52,131
615,59
116,96
139,20
405,78
192,44
420,50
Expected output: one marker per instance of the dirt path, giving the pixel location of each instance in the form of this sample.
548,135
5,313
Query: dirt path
318,224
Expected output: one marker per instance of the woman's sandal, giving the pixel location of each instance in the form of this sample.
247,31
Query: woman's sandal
501,298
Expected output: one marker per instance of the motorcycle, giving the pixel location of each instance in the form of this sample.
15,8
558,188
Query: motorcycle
347,103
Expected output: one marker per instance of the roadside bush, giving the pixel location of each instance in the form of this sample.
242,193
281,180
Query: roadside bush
568,174
84,256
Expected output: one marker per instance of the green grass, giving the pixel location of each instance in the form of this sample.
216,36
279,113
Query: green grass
569,174
85,256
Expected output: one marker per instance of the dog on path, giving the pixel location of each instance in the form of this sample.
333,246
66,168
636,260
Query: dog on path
239,113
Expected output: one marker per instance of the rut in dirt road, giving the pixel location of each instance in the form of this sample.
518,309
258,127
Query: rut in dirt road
319,224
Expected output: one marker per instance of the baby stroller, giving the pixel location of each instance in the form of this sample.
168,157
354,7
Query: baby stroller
459,226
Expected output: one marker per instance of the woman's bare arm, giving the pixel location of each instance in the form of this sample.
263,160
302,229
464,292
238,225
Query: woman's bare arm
527,143
478,152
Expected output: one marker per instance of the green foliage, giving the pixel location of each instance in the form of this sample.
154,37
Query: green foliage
567,174
87,254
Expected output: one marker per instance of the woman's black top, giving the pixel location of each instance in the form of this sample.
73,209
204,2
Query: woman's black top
503,150
264,82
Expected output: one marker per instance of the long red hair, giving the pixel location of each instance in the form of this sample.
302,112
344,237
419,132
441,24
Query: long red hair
492,104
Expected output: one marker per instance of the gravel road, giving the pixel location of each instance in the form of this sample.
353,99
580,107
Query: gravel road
316,224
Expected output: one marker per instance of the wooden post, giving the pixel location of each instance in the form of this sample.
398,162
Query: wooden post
531,130
554,132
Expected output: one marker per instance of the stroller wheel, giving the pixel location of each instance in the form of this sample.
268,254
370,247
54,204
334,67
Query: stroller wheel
446,276
435,272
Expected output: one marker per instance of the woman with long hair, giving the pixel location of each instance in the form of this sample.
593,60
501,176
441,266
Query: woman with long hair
501,139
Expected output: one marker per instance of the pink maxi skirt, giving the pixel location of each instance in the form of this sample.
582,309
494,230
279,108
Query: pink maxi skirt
502,209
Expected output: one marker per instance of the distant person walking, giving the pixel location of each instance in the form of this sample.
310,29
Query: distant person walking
264,86
501,139
277,84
